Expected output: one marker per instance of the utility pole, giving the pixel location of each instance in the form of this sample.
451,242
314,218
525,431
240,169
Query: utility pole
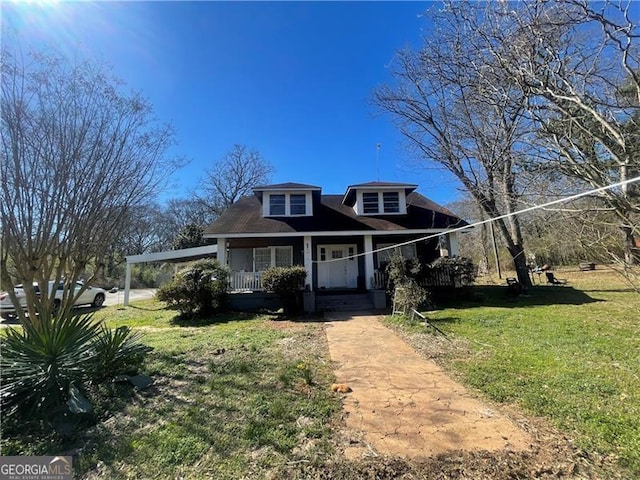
495,250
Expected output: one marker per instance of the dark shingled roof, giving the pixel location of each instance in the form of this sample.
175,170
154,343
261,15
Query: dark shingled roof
287,186
245,216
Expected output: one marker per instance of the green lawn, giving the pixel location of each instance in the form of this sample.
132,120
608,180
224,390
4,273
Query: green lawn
249,397
570,354
237,398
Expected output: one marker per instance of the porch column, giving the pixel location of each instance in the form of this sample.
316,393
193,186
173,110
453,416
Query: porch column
222,250
127,284
368,261
308,261
453,244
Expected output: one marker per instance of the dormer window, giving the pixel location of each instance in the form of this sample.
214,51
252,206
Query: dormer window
298,204
370,202
381,203
391,202
287,204
277,205
378,198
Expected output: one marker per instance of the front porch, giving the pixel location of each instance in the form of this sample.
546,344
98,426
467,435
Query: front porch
335,265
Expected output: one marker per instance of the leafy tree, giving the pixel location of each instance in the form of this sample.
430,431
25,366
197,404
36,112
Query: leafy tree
78,154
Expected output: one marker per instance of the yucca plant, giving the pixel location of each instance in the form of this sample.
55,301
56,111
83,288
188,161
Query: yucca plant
118,351
42,366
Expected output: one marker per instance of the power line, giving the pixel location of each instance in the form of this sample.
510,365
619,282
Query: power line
489,220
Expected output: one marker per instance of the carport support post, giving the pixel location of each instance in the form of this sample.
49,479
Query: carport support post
368,261
127,283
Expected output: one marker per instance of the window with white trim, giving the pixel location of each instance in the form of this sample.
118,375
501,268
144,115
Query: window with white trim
298,204
370,202
283,256
384,256
287,205
391,202
381,202
277,205
262,259
268,257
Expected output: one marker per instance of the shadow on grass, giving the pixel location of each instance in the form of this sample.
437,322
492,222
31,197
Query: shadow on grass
147,309
500,296
207,320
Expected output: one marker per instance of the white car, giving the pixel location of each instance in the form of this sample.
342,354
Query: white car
93,296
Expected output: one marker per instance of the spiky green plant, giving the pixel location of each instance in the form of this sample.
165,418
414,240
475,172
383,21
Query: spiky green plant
40,364
118,351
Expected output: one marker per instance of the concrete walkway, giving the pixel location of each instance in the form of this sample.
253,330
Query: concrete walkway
404,405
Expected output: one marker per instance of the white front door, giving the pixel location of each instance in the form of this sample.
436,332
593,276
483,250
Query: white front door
337,268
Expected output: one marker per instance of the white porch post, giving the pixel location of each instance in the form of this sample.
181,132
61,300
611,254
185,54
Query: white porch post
453,244
222,250
308,261
127,284
368,261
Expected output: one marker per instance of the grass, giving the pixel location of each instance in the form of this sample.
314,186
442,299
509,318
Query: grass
233,399
570,354
248,397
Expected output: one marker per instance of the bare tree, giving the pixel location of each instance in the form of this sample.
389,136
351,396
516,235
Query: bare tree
233,176
578,62
178,213
461,113
77,155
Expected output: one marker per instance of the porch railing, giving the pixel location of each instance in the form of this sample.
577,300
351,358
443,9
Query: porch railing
446,277
245,281
379,280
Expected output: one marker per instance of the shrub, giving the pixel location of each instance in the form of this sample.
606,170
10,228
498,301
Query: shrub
461,268
403,274
198,290
40,365
118,351
46,368
286,282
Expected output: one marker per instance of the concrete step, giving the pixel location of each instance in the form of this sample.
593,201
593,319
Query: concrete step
343,303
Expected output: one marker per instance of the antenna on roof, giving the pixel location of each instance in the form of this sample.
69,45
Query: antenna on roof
378,145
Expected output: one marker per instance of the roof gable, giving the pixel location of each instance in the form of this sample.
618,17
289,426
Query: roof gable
351,193
331,215
286,186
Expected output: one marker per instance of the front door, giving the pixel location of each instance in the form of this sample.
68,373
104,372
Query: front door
337,268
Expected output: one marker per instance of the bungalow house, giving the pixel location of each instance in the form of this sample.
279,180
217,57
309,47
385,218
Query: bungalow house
343,241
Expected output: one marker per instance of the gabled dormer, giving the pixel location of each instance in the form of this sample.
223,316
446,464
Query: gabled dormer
378,198
287,199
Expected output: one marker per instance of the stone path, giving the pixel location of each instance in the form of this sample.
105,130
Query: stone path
404,405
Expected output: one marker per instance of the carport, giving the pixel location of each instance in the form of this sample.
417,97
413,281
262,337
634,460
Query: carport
170,256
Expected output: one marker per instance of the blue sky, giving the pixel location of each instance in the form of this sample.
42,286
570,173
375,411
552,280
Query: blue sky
293,80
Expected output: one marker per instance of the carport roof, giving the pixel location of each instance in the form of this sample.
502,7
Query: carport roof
184,254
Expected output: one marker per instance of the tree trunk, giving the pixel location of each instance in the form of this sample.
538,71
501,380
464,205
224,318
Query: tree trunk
520,265
631,252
